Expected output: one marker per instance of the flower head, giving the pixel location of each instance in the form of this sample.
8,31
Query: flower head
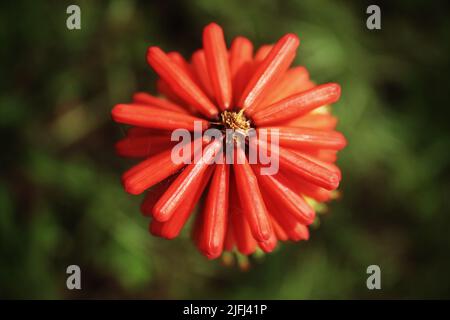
232,89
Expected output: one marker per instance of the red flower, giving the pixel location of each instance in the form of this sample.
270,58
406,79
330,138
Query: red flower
232,89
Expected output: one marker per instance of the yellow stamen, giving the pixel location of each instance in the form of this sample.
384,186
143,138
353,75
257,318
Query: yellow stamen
235,120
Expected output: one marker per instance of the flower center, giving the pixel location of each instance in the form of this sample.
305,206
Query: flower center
235,120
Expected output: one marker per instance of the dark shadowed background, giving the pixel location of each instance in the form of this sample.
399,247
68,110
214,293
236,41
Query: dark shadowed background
61,201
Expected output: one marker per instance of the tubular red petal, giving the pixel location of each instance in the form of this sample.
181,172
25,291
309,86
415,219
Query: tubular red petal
295,80
269,72
144,146
229,237
299,232
150,117
185,183
262,53
164,88
197,228
217,62
134,132
294,229
242,234
151,171
313,120
308,189
180,82
300,186
178,59
329,166
251,200
155,228
286,199
270,244
149,201
172,228
325,155
245,242
215,214
198,62
153,195
300,138
305,168
309,170
241,64
279,232
148,99
298,104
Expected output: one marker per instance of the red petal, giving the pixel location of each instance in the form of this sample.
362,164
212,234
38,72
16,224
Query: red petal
251,200
153,195
180,82
134,132
172,228
241,53
308,189
187,68
305,168
164,88
145,98
309,170
155,228
215,213
185,183
279,232
269,72
144,146
294,229
329,166
262,53
295,80
270,244
286,199
217,61
150,117
177,58
198,61
313,120
300,138
245,242
151,171
298,105
325,155
229,237
197,226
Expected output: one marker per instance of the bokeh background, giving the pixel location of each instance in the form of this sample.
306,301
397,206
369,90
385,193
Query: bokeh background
61,201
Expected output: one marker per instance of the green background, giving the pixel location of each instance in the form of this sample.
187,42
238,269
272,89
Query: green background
61,201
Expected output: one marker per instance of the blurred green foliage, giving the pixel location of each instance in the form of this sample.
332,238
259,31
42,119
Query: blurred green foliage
61,201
